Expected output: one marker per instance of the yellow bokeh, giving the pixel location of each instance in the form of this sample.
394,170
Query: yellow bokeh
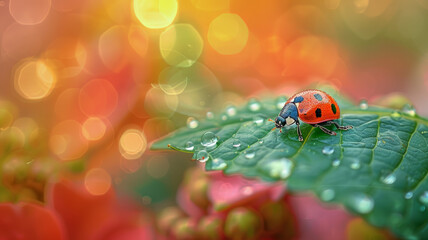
228,34
155,13
132,144
34,79
180,45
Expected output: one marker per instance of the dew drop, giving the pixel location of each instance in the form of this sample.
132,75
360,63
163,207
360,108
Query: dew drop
246,190
210,115
280,101
364,105
258,120
423,198
277,168
209,139
362,203
327,195
192,123
218,164
231,111
355,164
396,115
202,156
189,146
236,143
422,208
409,110
223,117
261,141
335,163
408,195
249,154
389,179
254,105
328,150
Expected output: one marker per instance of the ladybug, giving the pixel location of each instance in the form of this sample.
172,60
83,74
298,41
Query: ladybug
314,107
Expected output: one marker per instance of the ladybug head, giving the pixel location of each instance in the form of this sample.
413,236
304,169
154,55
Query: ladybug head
279,122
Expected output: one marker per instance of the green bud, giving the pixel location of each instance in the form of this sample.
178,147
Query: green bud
210,228
184,229
243,223
167,218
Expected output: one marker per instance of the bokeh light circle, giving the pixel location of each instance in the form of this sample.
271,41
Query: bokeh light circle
180,45
34,79
228,34
97,181
132,143
66,140
29,12
155,13
93,128
98,97
112,47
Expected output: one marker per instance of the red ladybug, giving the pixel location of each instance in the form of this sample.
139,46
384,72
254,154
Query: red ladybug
314,107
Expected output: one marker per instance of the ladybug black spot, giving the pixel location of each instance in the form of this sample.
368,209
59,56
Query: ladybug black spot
318,97
333,108
318,112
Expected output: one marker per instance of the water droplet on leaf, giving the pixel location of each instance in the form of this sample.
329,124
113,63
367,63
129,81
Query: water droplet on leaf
396,115
192,123
209,139
389,179
277,168
202,156
231,111
364,105
249,154
328,150
408,195
189,146
327,195
423,198
223,117
355,164
236,143
335,163
409,109
254,105
261,141
218,164
210,115
258,120
362,203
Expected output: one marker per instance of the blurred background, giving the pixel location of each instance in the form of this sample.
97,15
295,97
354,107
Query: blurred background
85,86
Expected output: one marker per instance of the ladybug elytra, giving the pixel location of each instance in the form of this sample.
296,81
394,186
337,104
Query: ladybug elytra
314,107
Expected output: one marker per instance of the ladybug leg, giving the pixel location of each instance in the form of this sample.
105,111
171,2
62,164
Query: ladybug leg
298,131
325,129
338,126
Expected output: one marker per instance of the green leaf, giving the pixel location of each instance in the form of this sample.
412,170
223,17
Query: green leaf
377,170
